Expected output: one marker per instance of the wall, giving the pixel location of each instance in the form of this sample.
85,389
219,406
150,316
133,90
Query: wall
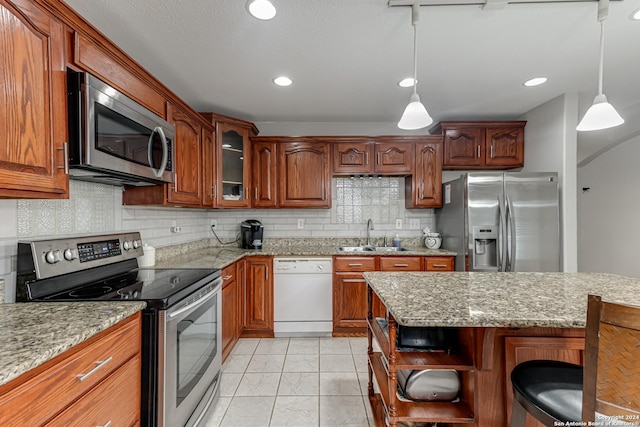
550,146
609,206
95,209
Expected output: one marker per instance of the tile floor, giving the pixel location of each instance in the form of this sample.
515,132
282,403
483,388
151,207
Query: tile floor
294,382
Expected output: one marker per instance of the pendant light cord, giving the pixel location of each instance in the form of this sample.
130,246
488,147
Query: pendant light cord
603,12
415,16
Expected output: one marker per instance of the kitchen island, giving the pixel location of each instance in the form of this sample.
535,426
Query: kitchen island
497,321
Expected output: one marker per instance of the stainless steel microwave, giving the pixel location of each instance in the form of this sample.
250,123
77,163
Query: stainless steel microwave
113,139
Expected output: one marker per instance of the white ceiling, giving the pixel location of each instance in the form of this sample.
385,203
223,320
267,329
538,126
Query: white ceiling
346,56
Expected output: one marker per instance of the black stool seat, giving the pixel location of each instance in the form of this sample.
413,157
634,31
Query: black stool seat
551,387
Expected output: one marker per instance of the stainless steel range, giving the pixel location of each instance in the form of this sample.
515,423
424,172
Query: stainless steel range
181,348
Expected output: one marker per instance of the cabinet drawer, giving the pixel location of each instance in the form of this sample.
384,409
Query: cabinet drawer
115,401
355,264
36,400
400,263
439,263
228,275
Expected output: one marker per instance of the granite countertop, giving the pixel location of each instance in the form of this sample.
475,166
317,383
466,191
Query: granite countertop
33,333
556,300
219,257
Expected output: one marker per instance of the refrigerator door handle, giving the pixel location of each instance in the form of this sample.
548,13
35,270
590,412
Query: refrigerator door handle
502,238
511,223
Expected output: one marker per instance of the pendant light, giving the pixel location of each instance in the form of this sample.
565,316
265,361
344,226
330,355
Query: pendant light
415,116
601,115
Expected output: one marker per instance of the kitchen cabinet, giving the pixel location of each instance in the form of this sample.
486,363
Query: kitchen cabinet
258,298
483,145
350,294
387,155
230,314
424,188
265,174
32,103
304,174
108,392
233,160
522,349
350,288
187,187
384,364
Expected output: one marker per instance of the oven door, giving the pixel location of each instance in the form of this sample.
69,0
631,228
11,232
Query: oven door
123,136
191,353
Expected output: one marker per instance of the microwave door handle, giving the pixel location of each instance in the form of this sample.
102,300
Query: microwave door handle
165,152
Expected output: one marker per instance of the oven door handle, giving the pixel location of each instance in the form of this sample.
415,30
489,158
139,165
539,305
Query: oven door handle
197,303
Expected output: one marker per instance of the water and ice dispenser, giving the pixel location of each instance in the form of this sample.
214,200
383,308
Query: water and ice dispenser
485,247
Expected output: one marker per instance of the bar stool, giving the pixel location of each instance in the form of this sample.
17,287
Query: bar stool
608,387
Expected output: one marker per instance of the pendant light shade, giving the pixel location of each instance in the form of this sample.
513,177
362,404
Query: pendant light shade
415,116
601,114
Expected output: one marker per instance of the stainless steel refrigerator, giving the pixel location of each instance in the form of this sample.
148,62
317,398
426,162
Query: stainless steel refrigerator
501,221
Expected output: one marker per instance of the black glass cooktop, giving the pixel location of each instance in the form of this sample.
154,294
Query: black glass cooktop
160,288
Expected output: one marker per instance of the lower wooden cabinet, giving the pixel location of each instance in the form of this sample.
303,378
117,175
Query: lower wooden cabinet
350,288
258,297
91,384
231,296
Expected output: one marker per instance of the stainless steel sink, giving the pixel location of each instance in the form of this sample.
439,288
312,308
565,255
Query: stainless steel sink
370,249
356,248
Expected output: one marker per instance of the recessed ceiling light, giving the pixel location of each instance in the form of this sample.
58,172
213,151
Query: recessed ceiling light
283,81
406,82
536,81
635,15
261,9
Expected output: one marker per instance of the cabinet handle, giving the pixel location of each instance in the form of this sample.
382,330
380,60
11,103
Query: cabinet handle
266,273
106,425
227,277
215,190
65,153
246,193
491,155
353,280
355,265
256,193
100,365
379,158
366,158
401,265
478,150
440,265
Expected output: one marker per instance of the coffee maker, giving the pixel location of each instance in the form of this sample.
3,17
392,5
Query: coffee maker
251,231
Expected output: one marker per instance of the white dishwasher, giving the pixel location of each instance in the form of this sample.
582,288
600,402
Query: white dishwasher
303,297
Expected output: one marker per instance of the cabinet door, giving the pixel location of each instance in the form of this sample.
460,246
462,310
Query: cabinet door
208,168
264,175
32,103
522,349
463,147
305,177
393,158
233,174
505,147
258,308
230,297
400,263
352,158
424,188
349,303
439,263
187,185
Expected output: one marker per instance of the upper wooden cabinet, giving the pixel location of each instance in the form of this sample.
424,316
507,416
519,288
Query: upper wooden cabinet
304,174
424,188
386,155
32,103
265,174
483,145
233,153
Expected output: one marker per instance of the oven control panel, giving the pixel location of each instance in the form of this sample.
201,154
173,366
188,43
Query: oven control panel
61,256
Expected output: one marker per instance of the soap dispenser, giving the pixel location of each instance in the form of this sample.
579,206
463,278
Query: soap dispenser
396,241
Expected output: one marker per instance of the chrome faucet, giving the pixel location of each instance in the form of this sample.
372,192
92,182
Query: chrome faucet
369,228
